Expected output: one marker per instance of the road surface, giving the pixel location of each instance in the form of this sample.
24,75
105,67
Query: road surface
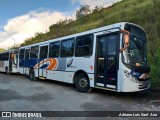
18,93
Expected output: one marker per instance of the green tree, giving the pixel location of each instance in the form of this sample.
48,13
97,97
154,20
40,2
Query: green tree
83,11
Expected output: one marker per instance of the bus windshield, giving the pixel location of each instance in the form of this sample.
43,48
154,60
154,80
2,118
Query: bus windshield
136,53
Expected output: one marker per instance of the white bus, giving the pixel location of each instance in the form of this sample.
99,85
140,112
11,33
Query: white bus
113,57
8,61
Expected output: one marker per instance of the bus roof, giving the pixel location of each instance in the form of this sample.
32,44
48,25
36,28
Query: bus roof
116,25
12,50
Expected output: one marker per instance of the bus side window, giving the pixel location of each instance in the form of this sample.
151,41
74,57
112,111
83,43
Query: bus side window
21,53
34,52
43,52
7,56
84,46
54,49
27,53
67,48
0,57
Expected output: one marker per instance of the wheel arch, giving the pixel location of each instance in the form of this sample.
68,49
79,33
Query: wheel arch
31,68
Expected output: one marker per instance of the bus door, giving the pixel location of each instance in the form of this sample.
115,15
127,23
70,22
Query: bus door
107,61
26,61
21,61
43,65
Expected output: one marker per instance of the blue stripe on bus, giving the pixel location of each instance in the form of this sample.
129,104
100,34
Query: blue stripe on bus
28,63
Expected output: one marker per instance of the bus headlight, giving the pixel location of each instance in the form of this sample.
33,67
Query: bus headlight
129,76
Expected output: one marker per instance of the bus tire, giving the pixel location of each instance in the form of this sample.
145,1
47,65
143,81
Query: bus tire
32,75
7,71
82,83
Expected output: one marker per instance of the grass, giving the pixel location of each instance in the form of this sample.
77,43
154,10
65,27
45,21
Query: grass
1,50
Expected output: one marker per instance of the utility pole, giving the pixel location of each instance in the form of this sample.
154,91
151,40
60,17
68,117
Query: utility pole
14,41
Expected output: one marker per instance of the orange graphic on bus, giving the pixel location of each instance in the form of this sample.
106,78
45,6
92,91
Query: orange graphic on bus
52,64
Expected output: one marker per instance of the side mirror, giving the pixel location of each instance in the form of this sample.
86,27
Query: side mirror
126,37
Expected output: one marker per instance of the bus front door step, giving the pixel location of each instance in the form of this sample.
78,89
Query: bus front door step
42,78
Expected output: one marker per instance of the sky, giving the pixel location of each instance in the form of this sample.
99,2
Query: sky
21,19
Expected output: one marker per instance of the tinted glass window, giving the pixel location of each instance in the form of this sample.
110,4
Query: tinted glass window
1,57
67,48
7,56
54,49
27,54
21,53
112,45
84,46
43,52
34,52
134,30
101,47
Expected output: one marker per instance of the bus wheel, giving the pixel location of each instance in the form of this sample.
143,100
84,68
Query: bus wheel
82,83
7,71
32,75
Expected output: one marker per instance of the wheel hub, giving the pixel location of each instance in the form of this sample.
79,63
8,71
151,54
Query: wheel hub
83,82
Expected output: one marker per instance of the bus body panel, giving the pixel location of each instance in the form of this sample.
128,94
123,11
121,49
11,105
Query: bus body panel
3,65
127,85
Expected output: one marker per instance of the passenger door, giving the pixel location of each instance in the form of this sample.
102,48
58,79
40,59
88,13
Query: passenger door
42,56
26,61
107,61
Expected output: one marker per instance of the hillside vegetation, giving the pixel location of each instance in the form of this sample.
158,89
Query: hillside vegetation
142,12
1,50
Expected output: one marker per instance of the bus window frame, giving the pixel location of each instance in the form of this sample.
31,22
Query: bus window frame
20,54
37,54
91,36
54,49
61,48
28,54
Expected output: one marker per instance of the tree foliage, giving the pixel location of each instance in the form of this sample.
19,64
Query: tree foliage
83,11
97,8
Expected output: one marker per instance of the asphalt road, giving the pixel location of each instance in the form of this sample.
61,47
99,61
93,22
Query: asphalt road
18,93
